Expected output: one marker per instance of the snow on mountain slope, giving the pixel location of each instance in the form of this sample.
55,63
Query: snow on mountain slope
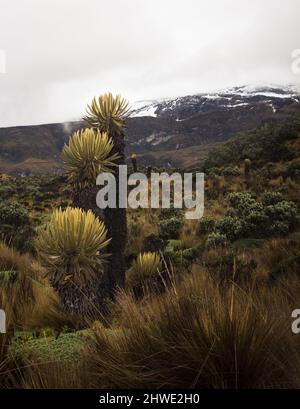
145,110
182,108
161,130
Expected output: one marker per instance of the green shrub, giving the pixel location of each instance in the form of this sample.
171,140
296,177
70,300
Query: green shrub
249,218
255,223
213,172
174,245
216,239
283,218
179,255
231,227
170,228
153,243
6,191
183,257
13,214
231,171
16,226
271,198
241,202
205,225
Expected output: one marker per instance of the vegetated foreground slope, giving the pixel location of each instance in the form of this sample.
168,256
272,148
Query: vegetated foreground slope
215,293
222,300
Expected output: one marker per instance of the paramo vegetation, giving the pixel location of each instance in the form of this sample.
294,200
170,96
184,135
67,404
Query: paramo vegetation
143,298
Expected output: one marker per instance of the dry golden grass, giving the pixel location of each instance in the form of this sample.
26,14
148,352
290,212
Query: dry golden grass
53,375
198,335
17,298
29,304
188,236
29,301
275,251
141,224
200,332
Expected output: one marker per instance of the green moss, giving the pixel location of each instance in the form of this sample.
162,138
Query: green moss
65,347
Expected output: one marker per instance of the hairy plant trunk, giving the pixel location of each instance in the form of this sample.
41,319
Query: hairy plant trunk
116,223
95,294
89,302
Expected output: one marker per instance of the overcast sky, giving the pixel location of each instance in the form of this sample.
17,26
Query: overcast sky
60,53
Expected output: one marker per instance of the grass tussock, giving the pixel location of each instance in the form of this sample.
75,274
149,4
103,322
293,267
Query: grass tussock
53,375
17,296
27,298
198,336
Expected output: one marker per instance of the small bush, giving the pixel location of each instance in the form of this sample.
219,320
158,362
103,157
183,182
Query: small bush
216,240
205,225
282,212
271,198
241,202
224,265
170,229
249,218
14,214
180,255
231,227
16,226
230,171
153,243
6,191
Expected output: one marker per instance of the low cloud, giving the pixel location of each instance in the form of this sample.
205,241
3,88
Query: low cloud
60,53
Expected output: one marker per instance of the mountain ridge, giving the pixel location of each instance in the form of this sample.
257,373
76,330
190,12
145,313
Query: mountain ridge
165,136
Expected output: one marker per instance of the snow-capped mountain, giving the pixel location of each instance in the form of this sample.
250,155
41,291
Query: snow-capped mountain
178,123
229,98
168,131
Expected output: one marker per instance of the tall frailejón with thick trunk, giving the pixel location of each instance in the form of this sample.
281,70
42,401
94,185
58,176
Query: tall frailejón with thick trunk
88,153
108,114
